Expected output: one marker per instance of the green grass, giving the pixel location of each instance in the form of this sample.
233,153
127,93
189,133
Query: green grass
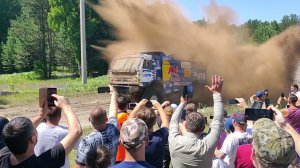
27,86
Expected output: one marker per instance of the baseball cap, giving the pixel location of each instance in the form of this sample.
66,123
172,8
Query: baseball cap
133,132
239,118
273,146
228,124
259,94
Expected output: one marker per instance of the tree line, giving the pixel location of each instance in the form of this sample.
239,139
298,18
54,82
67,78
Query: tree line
44,35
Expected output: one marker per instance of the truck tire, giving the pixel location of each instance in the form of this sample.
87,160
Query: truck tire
154,92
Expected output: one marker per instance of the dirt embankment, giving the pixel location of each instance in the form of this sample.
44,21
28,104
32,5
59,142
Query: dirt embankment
81,105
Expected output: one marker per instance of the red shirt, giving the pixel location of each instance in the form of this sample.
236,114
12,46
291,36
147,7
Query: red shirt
243,157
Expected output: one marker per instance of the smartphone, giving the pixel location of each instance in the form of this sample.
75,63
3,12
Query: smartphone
45,94
233,101
255,114
267,102
183,115
149,104
103,89
187,91
131,106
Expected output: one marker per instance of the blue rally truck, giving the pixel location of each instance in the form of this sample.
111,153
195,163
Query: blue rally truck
155,75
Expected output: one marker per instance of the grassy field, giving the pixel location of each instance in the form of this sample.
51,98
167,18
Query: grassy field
27,86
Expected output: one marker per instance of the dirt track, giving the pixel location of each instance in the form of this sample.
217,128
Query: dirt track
81,105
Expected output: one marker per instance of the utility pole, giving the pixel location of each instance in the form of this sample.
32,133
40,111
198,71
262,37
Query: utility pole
83,42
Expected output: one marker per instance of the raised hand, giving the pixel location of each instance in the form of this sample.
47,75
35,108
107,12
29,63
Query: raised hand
142,103
61,101
216,84
278,115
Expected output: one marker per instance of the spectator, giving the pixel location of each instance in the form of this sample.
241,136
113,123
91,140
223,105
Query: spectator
155,150
121,117
105,132
3,122
188,150
295,90
99,157
228,125
20,136
243,157
232,141
287,127
134,136
190,107
292,114
256,100
169,110
272,146
50,133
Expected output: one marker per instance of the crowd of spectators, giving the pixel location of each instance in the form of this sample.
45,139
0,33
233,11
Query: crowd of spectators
164,135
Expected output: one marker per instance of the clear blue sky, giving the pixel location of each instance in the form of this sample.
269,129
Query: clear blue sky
264,10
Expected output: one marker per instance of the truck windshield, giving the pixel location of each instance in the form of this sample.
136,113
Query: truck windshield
126,64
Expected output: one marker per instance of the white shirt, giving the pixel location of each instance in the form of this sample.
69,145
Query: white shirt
48,137
298,94
231,143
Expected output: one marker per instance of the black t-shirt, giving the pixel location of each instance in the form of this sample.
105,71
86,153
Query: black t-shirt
52,158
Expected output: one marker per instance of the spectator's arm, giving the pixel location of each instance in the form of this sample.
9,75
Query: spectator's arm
279,118
163,116
113,108
174,123
74,127
294,134
252,98
140,105
41,115
242,102
215,127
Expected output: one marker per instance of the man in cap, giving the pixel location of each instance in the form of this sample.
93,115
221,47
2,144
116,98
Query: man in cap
256,100
134,137
272,146
239,137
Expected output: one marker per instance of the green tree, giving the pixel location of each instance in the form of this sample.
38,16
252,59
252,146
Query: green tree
9,9
289,20
64,16
29,38
264,32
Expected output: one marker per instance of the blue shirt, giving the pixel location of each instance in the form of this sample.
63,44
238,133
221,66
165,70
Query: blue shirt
138,164
108,137
155,150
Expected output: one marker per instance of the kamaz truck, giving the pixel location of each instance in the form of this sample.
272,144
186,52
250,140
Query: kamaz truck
155,75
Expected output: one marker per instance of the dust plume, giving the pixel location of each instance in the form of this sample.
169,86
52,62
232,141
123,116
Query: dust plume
161,26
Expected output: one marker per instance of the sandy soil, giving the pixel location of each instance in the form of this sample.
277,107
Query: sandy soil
81,105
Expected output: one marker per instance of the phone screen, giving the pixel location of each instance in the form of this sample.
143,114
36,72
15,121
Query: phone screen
232,101
51,99
187,91
255,114
103,89
131,106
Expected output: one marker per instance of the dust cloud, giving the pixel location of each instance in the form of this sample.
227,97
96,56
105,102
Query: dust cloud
154,25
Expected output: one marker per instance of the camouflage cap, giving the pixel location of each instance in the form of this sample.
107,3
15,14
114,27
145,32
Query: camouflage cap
273,146
133,132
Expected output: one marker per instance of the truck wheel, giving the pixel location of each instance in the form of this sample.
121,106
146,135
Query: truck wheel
154,92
